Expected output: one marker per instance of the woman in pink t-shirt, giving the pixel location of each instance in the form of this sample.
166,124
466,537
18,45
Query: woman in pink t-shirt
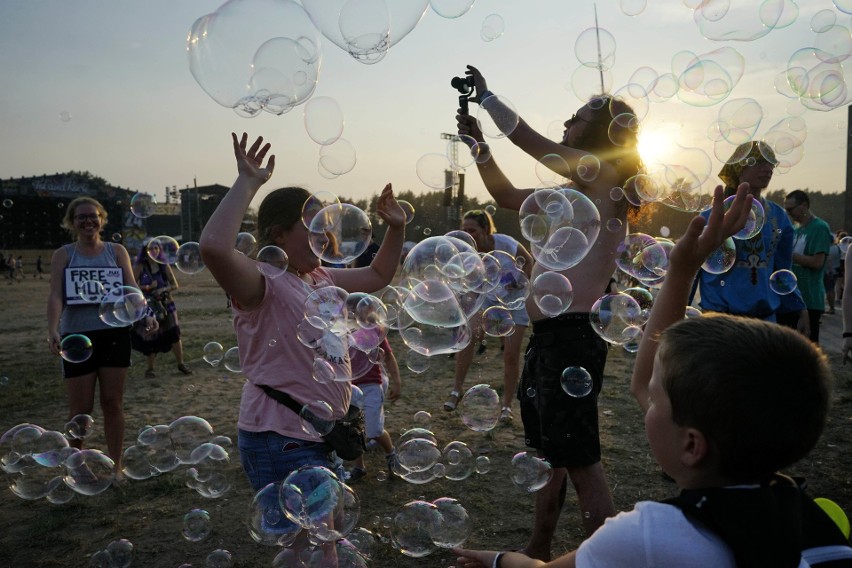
269,307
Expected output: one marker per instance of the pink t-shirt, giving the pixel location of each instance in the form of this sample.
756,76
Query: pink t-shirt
271,354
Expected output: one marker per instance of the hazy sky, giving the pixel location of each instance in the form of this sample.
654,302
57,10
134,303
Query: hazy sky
105,86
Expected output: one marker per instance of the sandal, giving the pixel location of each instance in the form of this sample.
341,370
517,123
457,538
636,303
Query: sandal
452,402
184,369
150,374
506,415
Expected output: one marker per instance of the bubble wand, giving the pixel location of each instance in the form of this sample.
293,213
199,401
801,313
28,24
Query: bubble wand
598,36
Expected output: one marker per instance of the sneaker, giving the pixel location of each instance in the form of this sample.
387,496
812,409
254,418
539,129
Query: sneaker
184,369
506,415
354,474
150,374
452,401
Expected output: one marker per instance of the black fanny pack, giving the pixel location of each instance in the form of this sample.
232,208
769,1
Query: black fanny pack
347,438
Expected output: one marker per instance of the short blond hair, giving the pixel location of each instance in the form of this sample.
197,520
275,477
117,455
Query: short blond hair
71,210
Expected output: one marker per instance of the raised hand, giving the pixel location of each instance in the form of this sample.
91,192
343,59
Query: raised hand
389,210
479,83
250,162
703,236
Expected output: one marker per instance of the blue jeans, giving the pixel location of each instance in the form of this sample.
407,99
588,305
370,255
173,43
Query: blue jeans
268,457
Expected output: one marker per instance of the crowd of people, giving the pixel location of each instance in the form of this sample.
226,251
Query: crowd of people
697,380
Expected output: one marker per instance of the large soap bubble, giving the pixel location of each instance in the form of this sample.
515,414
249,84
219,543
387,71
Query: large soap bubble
454,524
263,55
616,317
552,293
480,408
561,224
89,472
340,234
365,29
413,528
529,472
122,306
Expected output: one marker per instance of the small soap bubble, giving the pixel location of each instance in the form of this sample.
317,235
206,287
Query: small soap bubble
116,237
143,205
422,418
76,348
408,209
531,392
783,282
272,261
232,360
120,553
4,381
721,259
245,243
8,203
65,116
576,382
213,353
382,475
79,427
218,559
483,464
189,258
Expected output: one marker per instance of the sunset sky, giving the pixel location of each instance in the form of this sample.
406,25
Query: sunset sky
106,87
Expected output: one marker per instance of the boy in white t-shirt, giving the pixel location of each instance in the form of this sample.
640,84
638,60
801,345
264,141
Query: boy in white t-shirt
728,401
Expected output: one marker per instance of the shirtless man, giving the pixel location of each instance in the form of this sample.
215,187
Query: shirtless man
562,428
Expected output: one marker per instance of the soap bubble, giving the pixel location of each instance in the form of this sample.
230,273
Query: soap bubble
272,261
340,234
435,171
413,528
576,382
459,461
418,454
783,282
189,258
75,348
338,158
196,525
451,8
453,523
483,464
219,558
79,427
231,360
310,495
754,223
612,316
51,449
492,27
552,293
188,433
245,243
721,259
213,353
529,472
317,418
408,209
88,472
479,408
122,306
143,205
497,322
323,120
267,522
416,362
120,553
163,250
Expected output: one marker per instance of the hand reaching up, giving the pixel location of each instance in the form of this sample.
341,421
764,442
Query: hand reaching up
250,162
703,236
389,210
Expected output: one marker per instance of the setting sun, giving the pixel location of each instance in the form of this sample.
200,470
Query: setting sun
657,146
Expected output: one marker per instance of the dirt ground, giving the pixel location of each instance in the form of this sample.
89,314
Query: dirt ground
150,513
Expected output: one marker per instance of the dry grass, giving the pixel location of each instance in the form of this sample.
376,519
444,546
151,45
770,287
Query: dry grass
149,513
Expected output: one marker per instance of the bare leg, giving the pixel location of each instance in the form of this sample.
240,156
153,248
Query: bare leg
112,404
548,504
151,357
512,364
81,399
465,356
593,496
177,349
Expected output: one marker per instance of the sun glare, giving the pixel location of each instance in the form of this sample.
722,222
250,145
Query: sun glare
656,146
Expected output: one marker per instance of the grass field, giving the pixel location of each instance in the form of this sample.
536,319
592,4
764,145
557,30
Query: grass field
149,513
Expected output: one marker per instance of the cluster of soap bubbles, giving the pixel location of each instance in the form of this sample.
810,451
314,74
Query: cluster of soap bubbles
421,527
187,441
311,499
420,460
120,306
214,354
41,464
117,554
266,58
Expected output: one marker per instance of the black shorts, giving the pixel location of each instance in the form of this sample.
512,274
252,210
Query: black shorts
110,348
563,428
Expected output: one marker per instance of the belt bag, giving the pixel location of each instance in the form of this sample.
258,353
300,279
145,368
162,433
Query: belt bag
346,438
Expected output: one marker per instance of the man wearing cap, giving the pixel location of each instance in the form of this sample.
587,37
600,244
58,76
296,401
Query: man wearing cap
744,289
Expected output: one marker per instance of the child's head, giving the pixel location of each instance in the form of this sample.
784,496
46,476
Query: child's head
757,391
279,223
